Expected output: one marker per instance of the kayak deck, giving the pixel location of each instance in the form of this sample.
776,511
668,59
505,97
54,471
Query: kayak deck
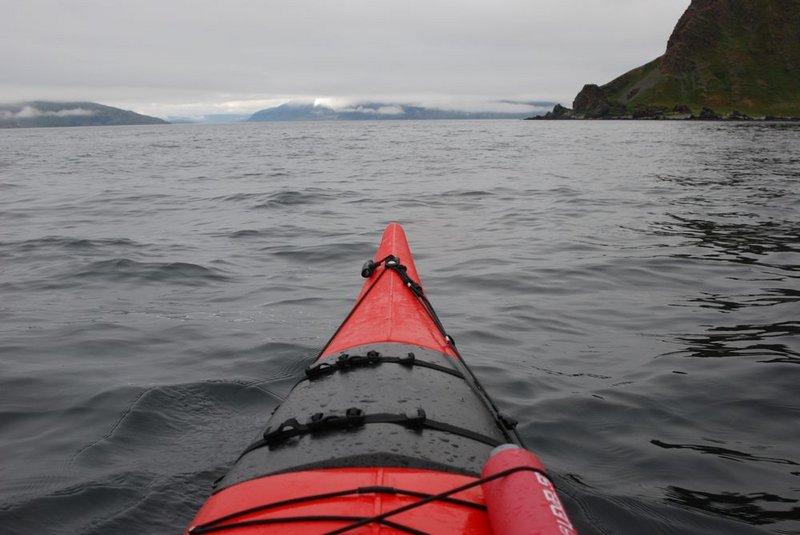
387,415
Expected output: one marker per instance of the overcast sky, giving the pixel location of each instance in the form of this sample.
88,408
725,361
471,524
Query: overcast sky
193,57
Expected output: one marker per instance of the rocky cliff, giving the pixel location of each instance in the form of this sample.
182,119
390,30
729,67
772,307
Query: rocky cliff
727,55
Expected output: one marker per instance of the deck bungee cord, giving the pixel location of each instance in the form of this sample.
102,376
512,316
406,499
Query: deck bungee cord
346,362
382,517
394,264
354,417
359,522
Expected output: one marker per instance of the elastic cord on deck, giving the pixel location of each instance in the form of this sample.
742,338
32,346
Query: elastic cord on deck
221,523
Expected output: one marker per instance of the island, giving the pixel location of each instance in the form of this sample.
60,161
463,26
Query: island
40,113
725,59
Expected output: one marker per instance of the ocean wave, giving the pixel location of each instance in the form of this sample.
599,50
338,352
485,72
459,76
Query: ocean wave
288,198
321,253
68,242
126,270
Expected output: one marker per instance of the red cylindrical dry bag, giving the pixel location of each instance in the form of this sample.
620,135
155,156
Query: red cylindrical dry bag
523,502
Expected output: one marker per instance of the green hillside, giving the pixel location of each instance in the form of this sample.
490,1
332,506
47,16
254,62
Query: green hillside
728,55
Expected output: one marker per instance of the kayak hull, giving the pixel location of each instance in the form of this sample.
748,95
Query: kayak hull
388,414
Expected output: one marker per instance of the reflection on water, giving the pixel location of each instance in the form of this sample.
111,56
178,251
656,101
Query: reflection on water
723,453
746,340
738,242
769,297
732,222
736,220
757,508
757,268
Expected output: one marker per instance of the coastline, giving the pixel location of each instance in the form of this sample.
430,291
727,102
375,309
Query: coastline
679,113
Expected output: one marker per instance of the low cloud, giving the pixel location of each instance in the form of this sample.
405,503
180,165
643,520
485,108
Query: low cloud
392,104
381,110
384,104
30,112
195,109
477,105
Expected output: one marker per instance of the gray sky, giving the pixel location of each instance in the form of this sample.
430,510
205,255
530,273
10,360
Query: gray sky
193,57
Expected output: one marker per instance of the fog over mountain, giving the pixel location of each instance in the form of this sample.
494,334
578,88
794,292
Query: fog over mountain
36,114
377,111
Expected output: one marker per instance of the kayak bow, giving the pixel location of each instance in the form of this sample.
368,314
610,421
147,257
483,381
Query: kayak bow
388,432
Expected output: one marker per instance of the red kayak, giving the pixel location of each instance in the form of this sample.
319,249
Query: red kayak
388,432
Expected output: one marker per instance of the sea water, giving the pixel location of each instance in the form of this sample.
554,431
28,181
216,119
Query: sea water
628,291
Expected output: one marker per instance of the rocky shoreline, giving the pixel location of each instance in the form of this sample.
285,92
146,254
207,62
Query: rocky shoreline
677,113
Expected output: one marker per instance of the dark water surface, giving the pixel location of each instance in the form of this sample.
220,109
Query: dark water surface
629,291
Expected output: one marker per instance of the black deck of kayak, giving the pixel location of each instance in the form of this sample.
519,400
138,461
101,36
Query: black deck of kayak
366,413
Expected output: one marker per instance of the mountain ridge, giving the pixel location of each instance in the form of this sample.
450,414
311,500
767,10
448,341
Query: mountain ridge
44,113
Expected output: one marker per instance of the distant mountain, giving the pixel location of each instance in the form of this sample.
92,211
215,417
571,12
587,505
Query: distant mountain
40,113
724,55
375,111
